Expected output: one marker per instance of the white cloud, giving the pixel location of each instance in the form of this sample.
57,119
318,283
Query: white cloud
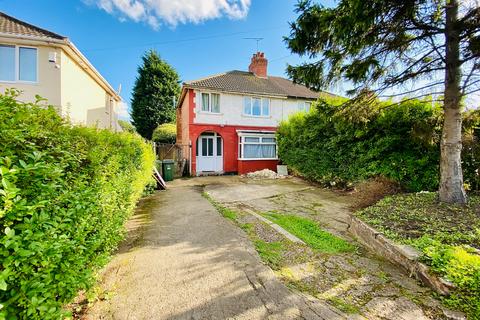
173,12
122,110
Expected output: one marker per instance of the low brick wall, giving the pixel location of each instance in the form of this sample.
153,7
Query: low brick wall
403,255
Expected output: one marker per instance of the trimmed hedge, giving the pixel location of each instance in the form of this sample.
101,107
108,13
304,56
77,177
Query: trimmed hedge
65,194
338,145
165,133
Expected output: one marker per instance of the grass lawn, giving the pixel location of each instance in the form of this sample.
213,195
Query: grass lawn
447,235
309,231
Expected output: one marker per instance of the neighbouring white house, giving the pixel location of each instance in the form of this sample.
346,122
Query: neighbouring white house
40,62
229,120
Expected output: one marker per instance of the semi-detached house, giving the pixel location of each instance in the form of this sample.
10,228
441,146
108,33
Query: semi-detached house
40,62
229,120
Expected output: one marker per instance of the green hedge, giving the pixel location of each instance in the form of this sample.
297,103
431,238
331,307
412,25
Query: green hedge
165,133
65,194
338,145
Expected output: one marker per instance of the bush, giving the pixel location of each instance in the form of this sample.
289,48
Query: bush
65,194
339,145
126,126
165,133
462,268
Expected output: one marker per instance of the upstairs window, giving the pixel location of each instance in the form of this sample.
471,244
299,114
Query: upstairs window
304,106
211,102
18,63
258,107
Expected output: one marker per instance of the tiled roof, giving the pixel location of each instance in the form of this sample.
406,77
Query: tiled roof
247,82
11,25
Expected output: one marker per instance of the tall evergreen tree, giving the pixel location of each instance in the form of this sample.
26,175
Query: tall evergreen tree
380,45
156,89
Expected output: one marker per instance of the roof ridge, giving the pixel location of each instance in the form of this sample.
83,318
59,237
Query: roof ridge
52,34
206,78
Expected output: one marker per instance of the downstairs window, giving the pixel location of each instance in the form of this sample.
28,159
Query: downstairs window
258,146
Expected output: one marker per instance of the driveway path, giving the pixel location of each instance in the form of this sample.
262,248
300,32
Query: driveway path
191,263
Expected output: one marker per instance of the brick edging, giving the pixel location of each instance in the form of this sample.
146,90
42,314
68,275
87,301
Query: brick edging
405,256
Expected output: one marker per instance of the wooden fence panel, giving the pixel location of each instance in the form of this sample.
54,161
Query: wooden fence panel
179,153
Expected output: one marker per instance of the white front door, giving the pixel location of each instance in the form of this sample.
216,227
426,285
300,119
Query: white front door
210,153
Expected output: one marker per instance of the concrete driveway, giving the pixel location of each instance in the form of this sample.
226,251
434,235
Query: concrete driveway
182,260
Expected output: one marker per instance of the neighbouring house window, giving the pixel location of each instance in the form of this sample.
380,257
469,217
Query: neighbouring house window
259,107
18,63
211,102
304,106
255,146
7,63
27,66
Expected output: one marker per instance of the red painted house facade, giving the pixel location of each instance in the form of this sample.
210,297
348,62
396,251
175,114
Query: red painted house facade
229,120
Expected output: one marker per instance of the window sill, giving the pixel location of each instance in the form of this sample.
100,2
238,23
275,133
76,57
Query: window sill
20,82
252,116
210,113
257,159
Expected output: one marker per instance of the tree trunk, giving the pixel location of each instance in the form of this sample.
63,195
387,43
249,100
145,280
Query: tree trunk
451,176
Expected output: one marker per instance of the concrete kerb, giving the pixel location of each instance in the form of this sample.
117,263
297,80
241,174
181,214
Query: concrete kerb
405,256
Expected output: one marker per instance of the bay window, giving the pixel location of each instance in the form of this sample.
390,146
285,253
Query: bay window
257,146
254,106
18,63
210,102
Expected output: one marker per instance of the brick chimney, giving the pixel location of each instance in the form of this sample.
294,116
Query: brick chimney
258,65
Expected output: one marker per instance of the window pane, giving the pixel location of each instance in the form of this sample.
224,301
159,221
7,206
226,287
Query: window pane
252,151
252,139
247,105
268,151
301,105
215,102
266,140
27,64
308,106
204,147
7,63
196,147
210,147
256,107
205,101
219,146
265,107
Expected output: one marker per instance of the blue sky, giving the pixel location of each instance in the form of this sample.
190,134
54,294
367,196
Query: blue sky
197,41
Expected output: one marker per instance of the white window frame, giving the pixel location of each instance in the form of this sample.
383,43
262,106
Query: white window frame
242,143
261,107
17,64
210,102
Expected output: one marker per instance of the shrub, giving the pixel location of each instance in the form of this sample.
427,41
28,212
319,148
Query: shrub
165,133
460,266
337,145
65,194
126,126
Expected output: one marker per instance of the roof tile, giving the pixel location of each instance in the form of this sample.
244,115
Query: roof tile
14,26
247,82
